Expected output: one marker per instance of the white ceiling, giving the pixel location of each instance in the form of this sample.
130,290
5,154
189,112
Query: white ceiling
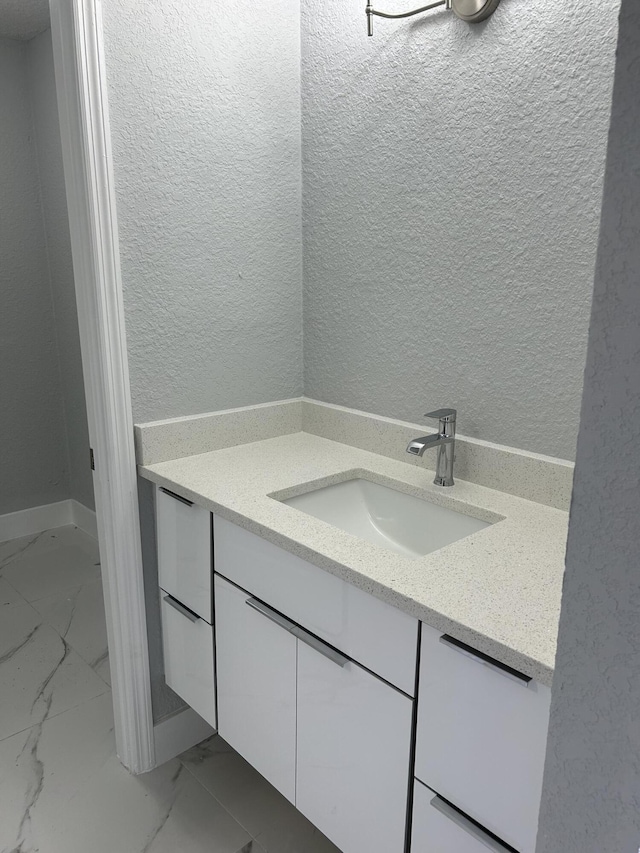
23,19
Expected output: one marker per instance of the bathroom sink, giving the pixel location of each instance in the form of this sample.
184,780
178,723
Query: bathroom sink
382,515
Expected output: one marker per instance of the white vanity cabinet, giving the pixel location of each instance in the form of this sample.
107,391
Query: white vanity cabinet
184,551
187,642
481,738
353,753
313,681
256,667
185,576
373,633
331,735
438,827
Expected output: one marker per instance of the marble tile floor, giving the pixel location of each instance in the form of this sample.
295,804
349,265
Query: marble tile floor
62,788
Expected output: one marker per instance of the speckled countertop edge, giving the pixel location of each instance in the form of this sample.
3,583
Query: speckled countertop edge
498,590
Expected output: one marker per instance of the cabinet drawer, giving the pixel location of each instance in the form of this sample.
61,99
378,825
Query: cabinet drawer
256,662
377,635
440,828
184,551
187,641
354,744
481,739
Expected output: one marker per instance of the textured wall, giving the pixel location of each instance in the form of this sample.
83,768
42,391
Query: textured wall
33,450
205,113
591,797
56,222
452,186
205,120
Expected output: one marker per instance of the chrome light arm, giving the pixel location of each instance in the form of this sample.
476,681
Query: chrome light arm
370,12
471,11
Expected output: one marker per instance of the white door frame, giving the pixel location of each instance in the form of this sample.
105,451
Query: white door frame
76,28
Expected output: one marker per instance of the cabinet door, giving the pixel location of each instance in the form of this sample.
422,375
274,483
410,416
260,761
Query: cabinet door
354,734
256,668
372,632
184,551
187,642
482,731
440,828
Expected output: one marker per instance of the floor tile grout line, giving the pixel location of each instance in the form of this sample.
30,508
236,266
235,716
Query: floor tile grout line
17,555
77,586
59,714
221,804
107,683
19,594
22,601
254,837
44,622
251,850
64,636
5,562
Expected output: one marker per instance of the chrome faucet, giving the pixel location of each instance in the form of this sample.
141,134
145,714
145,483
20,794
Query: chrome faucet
444,440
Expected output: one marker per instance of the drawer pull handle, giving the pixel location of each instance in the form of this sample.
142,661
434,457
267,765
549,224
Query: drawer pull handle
177,497
319,646
191,616
298,632
270,614
490,841
480,657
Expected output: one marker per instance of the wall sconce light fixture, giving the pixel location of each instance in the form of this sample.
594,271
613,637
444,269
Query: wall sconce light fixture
471,11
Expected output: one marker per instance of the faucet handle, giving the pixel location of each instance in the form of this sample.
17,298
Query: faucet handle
446,415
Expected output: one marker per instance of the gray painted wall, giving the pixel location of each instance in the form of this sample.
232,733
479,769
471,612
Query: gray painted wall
452,186
205,121
43,422
591,796
33,457
205,118
56,222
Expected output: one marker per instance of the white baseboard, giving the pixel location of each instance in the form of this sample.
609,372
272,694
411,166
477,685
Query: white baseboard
27,522
178,733
84,518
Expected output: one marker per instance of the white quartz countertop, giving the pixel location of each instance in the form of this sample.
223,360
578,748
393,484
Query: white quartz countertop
498,590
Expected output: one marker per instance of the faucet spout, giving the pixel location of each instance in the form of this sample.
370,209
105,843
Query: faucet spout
418,446
444,440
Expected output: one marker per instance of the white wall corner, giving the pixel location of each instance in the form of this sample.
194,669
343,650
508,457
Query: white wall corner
84,518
